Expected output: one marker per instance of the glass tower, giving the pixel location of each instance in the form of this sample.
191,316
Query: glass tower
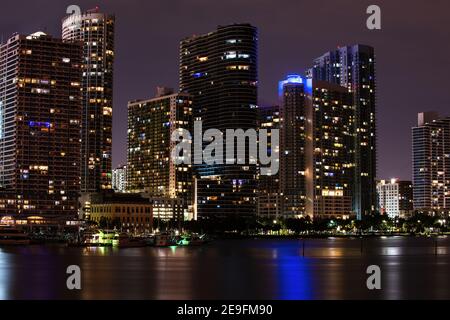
354,68
431,165
96,31
40,104
317,147
219,70
150,167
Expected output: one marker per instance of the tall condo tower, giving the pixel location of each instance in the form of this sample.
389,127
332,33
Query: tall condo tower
354,68
293,115
219,70
431,164
96,32
269,197
317,145
40,118
150,167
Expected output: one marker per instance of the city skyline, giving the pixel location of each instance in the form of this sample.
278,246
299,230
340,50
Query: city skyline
248,149
136,69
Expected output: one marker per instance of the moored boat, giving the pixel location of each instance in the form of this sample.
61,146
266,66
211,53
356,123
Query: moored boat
100,238
192,240
10,235
164,240
126,241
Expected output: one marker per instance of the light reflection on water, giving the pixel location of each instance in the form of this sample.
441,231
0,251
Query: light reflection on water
5,277
248,269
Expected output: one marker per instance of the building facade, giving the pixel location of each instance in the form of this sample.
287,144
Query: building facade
317,148
96,32
431,164
395,198
353,67
219,70
167,209
130,212
293,114
330,149
40,118
133,212
150,167
119,179
269,196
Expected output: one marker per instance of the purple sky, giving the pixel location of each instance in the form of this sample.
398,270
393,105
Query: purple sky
413,51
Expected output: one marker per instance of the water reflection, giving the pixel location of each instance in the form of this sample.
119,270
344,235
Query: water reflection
5,278
250,269
294,279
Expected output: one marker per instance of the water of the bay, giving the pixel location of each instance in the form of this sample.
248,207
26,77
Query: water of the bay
333,268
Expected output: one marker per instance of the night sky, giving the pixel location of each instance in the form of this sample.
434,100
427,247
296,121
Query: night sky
412,48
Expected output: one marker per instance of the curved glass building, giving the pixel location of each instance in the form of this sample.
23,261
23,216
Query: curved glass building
96,31
219,70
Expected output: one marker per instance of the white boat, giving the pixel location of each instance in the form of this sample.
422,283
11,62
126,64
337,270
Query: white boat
100,238
10,235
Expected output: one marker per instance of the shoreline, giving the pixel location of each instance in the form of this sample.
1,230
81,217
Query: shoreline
325,236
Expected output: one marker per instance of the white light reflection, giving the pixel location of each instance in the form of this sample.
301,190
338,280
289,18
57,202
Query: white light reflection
5,280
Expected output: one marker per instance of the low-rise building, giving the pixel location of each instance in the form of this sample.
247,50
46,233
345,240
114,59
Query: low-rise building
130,212
134,212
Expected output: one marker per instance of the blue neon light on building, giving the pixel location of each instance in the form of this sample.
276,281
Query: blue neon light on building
39,124
291,78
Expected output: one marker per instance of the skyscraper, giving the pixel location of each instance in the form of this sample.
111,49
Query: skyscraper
431,164
150,167
96,31
330,141
269,196
293,115
40,118
317,148
219,70
354,68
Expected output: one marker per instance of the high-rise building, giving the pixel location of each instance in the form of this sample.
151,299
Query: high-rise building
332,148
431,164
354,68
269,197
395,198
317,146
219,70
119,179
293,114
40,118
150,167
96,31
